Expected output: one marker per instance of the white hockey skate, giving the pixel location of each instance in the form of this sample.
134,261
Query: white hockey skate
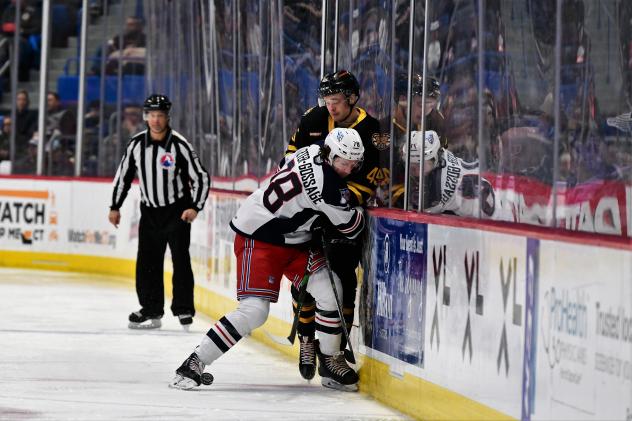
139,321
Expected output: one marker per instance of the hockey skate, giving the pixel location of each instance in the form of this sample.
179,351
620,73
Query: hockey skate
336,374
185,321
191,374
307,360
137,320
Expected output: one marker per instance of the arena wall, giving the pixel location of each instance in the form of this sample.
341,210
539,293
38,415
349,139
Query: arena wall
456,319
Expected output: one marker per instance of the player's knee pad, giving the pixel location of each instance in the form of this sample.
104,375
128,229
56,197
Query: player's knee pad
251,313
319,286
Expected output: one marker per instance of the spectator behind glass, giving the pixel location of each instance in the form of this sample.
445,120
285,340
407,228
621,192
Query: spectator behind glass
5,139
30,24
131,123
59,118
31,18
131,51
27,163
92,126
25,122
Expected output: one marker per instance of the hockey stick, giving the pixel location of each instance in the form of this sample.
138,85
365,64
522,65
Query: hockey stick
345,332
299,306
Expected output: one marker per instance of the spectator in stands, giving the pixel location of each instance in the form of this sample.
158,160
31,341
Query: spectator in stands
27,163
5,139
59,118
59,158
31,18
461,116
131,51
131,123
30,25
25,122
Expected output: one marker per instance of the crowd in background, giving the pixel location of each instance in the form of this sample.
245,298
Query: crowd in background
228,89
101,141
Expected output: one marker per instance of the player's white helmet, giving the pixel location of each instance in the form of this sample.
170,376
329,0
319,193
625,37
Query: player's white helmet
345,143
432,146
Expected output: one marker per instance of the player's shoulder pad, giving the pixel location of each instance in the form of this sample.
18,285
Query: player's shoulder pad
316,113
335,190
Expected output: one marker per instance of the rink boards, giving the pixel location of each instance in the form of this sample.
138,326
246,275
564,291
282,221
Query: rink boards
457,320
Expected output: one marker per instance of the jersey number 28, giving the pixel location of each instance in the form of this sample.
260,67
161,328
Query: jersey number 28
284,186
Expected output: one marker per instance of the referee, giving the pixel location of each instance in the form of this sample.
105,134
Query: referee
173,187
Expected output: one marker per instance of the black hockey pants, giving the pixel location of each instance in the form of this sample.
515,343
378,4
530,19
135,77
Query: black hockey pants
159,227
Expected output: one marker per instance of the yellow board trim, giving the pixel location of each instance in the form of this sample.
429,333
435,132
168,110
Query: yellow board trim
420,398
411,395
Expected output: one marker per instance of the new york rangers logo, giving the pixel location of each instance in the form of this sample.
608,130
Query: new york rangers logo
167,161
345,196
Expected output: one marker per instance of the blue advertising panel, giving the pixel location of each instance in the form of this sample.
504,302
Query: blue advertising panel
530,328
398,292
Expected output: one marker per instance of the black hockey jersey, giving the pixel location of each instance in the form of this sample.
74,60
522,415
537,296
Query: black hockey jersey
314,126
284,209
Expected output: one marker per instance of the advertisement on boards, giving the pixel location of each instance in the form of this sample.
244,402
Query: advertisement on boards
475,315
398,277
584,337
33,216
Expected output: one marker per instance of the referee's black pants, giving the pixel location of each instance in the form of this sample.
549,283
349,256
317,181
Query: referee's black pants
159,227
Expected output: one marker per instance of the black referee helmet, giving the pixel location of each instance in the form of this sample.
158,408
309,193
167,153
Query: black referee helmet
157,102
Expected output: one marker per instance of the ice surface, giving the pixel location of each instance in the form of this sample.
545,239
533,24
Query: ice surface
66,354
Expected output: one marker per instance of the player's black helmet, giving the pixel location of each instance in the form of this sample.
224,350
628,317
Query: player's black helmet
157,102
341,81
433,88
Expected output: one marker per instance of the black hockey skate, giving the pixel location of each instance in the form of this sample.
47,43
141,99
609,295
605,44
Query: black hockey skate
138,320
191,374
307,359
185,321
335,372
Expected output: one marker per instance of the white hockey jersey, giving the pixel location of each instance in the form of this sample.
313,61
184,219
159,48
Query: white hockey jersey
454,188
284,209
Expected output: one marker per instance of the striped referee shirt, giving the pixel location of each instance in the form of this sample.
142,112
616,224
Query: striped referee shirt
168,171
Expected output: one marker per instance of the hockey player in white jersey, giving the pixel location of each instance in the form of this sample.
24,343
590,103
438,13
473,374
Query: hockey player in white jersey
451,185
273,231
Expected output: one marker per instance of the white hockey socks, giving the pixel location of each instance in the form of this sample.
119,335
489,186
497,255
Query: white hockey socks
251,313
328,325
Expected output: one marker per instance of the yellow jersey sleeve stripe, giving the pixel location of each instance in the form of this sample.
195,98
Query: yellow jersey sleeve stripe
359,187
357,193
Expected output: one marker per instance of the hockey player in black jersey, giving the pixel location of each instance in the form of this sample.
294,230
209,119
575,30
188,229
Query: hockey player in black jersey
340,92
273,229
